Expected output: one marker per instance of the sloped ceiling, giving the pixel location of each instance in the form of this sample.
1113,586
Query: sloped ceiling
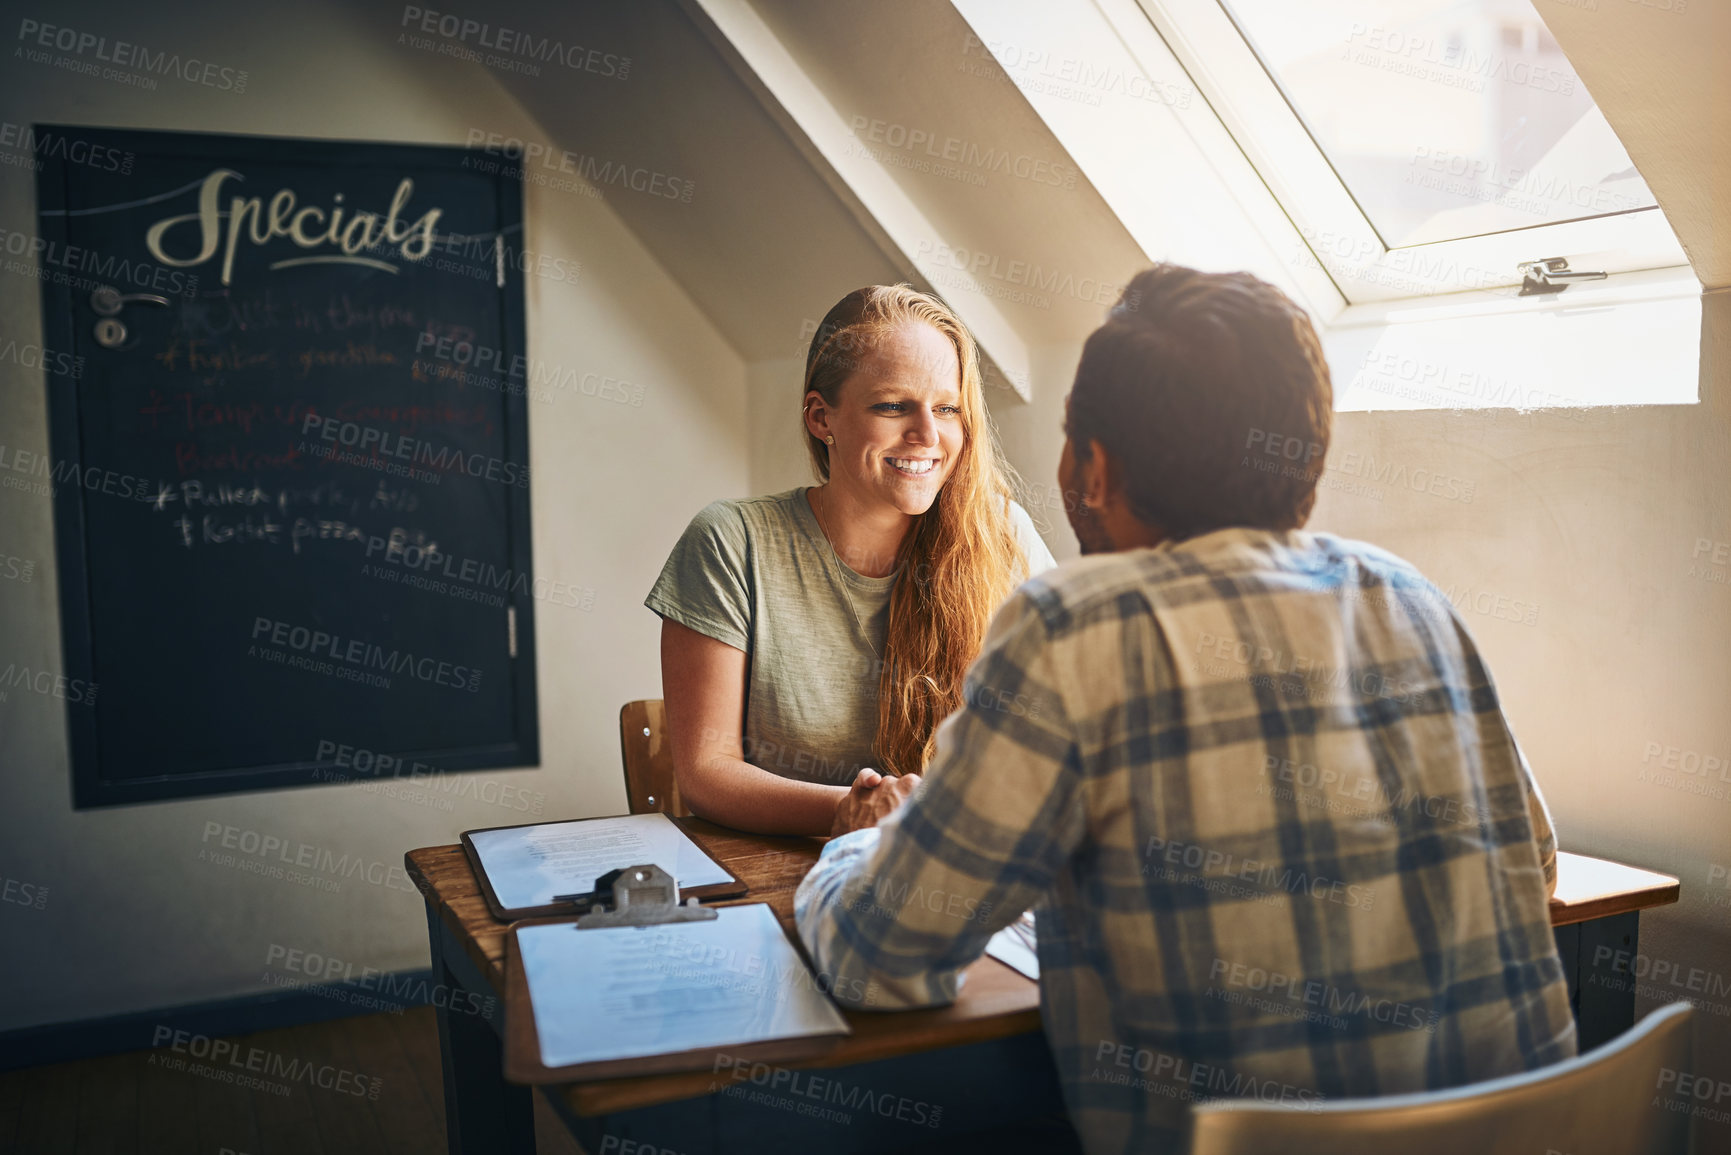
1658,72
763,245
989,177
773,234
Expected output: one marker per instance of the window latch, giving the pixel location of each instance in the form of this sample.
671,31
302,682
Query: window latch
1550,275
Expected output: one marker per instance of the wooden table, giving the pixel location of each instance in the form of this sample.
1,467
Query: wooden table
1595,916
483,1113
996,1018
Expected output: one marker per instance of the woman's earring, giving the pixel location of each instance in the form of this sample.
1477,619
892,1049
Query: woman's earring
829,440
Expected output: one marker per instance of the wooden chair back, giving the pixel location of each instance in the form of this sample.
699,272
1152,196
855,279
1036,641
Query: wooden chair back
649,781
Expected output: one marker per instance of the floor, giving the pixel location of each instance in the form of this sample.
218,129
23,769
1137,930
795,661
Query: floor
384,1096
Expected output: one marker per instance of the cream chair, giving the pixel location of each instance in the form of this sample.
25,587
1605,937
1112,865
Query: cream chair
1632,1096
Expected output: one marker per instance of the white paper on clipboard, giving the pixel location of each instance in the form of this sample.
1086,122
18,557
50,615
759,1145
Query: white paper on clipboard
627,992
528,865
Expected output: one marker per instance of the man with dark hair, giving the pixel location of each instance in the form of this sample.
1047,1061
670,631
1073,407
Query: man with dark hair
1213,397
1255,782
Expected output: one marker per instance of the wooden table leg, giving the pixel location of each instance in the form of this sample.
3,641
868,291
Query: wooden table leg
1598,959
482,1111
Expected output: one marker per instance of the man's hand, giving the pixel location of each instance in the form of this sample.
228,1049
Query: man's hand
873,798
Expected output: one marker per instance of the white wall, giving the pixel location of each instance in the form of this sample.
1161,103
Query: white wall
778,457
132,918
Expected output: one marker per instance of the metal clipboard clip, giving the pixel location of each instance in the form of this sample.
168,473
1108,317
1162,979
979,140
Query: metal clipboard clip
637,896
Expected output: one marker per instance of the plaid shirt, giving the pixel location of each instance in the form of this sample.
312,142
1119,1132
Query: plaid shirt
1277,835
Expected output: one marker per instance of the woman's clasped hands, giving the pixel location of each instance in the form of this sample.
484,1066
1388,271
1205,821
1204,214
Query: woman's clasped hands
872,798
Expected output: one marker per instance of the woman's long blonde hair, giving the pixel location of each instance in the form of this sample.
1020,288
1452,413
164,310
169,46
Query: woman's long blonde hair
960,560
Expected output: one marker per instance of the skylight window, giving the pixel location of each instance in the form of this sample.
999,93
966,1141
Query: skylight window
1431,179
1445,119
1419,146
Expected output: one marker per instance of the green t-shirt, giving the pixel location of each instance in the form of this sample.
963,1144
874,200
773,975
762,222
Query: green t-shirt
760,576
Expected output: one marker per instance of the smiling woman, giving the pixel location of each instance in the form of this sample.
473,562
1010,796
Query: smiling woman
811,634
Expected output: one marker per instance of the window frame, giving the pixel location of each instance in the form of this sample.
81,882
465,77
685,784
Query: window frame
1337,237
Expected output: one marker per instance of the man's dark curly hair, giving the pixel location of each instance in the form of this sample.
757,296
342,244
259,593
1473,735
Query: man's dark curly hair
1211,391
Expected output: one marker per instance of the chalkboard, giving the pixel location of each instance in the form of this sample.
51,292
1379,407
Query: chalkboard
291,478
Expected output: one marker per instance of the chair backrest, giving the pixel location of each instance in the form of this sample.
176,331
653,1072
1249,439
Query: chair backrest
1632,1096
649,781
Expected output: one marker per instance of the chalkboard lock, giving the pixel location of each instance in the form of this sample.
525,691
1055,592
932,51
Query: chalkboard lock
291,481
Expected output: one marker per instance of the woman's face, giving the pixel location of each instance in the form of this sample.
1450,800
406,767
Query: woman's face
897,421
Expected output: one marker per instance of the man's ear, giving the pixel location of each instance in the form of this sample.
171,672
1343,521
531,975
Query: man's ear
1099,475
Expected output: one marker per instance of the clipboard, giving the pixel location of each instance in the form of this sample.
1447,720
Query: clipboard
522,1043
734,887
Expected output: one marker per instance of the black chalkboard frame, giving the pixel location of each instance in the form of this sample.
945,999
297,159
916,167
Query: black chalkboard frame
91,786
